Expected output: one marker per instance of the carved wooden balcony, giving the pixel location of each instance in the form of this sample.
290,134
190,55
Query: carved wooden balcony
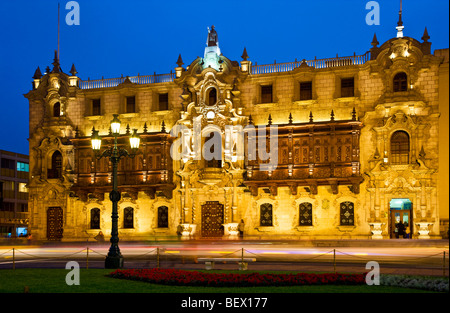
149,171
310,154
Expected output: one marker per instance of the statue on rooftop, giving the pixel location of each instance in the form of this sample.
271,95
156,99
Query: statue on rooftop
212,37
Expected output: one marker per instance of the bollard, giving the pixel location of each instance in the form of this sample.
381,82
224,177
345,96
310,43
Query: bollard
443,266
14,259
157,257
334,260
242,255
87,257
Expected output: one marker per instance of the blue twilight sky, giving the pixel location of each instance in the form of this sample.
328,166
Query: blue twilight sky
146,36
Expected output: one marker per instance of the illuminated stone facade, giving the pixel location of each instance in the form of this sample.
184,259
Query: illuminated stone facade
355,136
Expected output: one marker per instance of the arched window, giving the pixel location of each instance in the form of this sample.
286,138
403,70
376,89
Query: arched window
400,82
305,214
57,109
213,150
400,147
95,218
211,96
128,218
266,214
163,217
55,171
347,213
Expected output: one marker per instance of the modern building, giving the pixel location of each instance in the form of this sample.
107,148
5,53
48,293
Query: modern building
358,144
14,168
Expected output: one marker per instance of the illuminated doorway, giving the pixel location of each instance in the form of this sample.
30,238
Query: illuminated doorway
400,223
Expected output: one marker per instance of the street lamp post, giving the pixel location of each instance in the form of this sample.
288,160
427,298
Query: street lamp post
114,259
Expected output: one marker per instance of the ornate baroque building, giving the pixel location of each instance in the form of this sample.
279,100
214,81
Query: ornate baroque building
358,147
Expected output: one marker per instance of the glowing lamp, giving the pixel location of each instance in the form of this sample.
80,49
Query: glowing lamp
134,140
115,125
96,141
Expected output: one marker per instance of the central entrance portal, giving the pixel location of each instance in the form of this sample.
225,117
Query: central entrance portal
400,224
212,219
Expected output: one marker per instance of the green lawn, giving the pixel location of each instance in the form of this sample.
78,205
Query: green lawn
95,281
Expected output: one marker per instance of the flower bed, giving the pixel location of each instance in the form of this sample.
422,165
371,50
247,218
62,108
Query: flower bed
194,278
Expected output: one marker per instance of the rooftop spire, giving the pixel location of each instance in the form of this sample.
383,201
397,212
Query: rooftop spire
73,70
244,55
56,67
37,73
179,61
375,40
425,36
400,22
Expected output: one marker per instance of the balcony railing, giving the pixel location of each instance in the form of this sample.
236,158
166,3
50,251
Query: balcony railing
113,82
256,69
316,63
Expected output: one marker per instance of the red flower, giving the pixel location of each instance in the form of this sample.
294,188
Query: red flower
194,278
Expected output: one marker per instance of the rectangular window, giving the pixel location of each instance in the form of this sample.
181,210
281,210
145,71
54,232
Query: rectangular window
266,94
23,207
95,218
163,101
23,187
348,87
23,167
347,213
163,217
8,186
9,164
266,214
96,109
306,91
305,214
128,217
131,105
7,207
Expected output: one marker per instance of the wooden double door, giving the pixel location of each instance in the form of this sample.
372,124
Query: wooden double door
54,223
212,219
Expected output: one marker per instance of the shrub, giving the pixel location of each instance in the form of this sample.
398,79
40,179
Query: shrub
432,284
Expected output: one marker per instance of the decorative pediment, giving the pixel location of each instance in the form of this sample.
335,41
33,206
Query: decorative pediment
398,120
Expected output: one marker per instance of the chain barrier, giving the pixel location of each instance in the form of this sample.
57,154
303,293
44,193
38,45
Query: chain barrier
161,255
6,252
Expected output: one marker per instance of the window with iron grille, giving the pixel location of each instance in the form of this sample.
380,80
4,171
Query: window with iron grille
131,105
128,218
163,217
400,148
266,94
400,82
305,214
348,87
347,213
163,101
96,107
306,91
95,218
266,214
